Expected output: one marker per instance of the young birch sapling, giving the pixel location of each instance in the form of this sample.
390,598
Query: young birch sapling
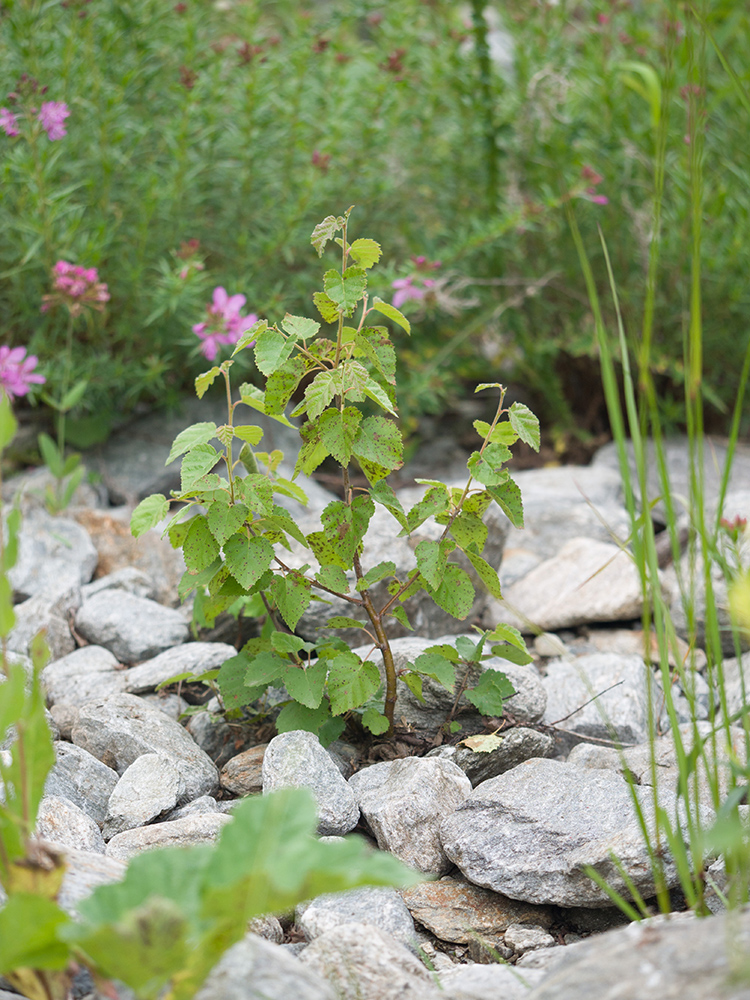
233,533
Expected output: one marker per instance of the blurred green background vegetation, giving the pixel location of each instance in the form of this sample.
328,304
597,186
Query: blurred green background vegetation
459,132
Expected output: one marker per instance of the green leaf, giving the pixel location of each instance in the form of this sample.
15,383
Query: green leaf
281,521
351,682
225,518
334,578
400,615
487,467
468,650
263,669
290,489
326,307
435,501
502,434
73,396
525,424
469,530
508,652
320,392
8,423
337,430
190,438
341,621
414,683
231,682
200,548
29,929
204,380
272,349
354,379
198,461
366,253
374,721
490,692
477,503
374,575
433,664
347,289
12,525
377,393
282,385
312,720
507,633
292,594
250,335
50,454
324,231
379,441
485,572
508,497
432,558
386,309
455,593
299,327
325,552
383,494
312,452
283,642
305,684
256,490
148,514
249,432
346,525
254,397
247,559
373,343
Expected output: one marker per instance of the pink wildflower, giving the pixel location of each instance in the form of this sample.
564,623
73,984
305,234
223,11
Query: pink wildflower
597,199
406,289
52,115
224,324
16,371
77,288
8,122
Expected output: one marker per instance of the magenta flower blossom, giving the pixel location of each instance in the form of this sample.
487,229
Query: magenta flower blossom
77,288
16,371
52,115
224,322
406,289
8,122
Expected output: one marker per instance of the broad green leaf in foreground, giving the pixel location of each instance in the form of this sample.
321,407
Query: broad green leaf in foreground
148,514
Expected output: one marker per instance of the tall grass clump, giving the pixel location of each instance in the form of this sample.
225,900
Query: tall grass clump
709,820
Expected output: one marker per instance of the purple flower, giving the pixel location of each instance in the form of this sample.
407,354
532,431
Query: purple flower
406,289
52,115
16,371
8,122
224,324
76,287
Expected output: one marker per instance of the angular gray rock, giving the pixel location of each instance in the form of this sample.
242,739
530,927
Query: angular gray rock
82,779
85,872
133,628
243,773
86,674
150,787
527,937
489,982
120,729
680,958
256,969
360,960
54,554
129,578
48,612
62,822
403,802
517,745
190,657
529,833
202,828
586,581
618,712
458,911
383,907
297,760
